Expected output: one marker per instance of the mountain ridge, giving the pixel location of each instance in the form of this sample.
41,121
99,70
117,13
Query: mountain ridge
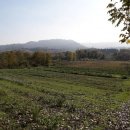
59,44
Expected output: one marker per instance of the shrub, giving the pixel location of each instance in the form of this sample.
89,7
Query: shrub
124,77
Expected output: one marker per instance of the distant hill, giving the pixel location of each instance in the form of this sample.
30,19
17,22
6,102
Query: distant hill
103,45
53,44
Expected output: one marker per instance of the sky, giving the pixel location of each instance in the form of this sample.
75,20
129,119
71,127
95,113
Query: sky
84,21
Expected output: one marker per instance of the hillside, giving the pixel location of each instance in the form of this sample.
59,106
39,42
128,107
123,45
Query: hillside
56,44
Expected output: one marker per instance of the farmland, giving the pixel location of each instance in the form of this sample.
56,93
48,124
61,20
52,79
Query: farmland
73,96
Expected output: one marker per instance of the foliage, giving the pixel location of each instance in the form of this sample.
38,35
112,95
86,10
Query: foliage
20,59
90,54
123,54
120,14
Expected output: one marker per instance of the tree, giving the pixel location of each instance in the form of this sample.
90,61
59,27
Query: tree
3,60
39,58
74,56
48,59
12,59
120,14
71,56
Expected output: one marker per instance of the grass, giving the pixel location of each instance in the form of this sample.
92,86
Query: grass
64,97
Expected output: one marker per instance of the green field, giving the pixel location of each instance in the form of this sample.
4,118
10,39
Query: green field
64,98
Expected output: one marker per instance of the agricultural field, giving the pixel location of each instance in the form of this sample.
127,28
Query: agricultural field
73,96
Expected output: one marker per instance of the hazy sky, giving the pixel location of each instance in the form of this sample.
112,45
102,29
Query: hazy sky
84,21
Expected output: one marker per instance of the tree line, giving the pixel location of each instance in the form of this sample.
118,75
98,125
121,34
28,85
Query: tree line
94,54
19,59
16,59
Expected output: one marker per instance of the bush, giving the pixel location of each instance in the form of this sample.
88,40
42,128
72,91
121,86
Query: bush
124,77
